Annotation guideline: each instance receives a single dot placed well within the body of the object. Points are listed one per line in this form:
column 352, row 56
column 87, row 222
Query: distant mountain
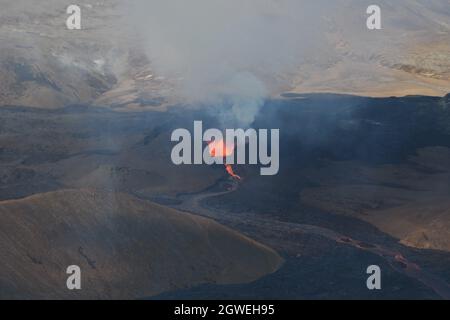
column 410, row 55
column 43, row 64
column 125, row 247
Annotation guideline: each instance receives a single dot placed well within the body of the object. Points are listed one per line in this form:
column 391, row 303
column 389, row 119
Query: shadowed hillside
column 126, row 248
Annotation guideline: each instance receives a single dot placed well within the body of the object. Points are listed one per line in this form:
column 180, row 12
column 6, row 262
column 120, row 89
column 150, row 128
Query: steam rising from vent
column 226, row 53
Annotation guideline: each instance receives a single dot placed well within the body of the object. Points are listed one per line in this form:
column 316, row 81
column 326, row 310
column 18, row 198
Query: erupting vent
column 219, row 148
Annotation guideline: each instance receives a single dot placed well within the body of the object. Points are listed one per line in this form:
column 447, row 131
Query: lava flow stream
column 220, row 149
column 268, row 230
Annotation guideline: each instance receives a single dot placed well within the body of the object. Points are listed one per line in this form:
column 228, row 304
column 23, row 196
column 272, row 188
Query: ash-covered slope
column 409, row 56
column 126, row 247
column 42, row 64
column 408, row 201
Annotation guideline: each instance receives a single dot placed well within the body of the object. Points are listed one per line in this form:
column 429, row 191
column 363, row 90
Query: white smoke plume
column 226, row 52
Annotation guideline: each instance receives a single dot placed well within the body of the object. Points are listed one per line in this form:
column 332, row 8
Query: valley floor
column 362, row 181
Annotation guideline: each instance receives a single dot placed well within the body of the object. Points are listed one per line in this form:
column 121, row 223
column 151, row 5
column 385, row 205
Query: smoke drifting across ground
column 226, row 53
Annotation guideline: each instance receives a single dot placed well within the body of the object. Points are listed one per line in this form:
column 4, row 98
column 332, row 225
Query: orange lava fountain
column 218, row 148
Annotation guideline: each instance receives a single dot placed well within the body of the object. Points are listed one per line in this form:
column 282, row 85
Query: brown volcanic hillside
column 409, row 201
column 126, row 247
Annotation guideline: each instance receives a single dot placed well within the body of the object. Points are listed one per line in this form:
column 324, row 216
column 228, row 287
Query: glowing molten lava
column 230, row 171
column 218, row 148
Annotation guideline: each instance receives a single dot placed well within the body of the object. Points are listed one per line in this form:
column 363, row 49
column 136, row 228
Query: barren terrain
column 126, row 248
column 105, row 64
column 86, row 176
